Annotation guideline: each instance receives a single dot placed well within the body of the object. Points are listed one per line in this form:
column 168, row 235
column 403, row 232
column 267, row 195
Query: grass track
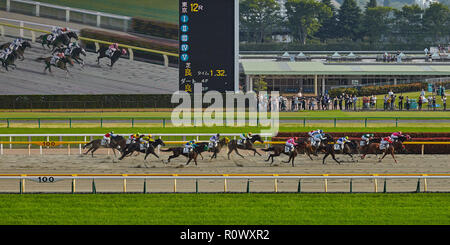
column 225, row 209
column 156, row 130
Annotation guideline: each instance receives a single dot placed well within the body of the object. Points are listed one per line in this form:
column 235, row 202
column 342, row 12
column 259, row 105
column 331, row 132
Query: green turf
column 330, row 114
column 211, row 130
column 225, row 209
column 163, row 10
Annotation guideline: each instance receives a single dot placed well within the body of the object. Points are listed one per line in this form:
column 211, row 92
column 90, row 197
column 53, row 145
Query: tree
column 258, row 17
column 304, row 17
column 329, row 28
column 371, row 4
column 436, row 21
column 408, row 24
column 349, row 18
column 377, row 22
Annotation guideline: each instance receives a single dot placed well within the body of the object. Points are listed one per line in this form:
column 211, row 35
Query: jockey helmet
column 249, row 133
column 64, row 29
column 149, row 135
column 320, row 131
column 399, row 132
column 346, row 137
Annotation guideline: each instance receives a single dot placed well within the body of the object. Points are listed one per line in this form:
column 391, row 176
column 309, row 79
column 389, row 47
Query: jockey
column 312, row 134
column 341, row 141
column 16, row 44
column 107, row 137
column 245, row 137
column 57, row 56
column 290, row 143
column 385, row 142
column 317, row 138
column 112, row 48
column 72, row 46
column 4, row 53
column 190, row 145
column 56, row 31
column 395, row 135
column 147, row 138
column 213, row 140
column 365, row 139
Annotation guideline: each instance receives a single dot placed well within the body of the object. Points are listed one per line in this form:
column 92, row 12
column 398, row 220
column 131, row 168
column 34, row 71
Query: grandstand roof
column 252, row 67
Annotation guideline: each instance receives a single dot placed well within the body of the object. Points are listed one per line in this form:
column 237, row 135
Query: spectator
column 444, row 102
column 355, row 99
column 385, row 102
column 434, row 103
column 400, row 102
column 335, row 102
column 429, row 100
column 407, row 103
column 419, row 102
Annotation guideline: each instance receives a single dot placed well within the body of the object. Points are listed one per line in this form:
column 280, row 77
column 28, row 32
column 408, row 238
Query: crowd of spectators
column 350, row 102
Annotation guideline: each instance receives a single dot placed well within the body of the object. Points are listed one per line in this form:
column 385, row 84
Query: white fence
column 422, row 181
column 41, row 141
column 99, row 19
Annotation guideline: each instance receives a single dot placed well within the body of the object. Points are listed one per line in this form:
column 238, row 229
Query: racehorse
column 63, row 39
column 74, row 55
column 191, row 155
column 114, row 57
column 216, row 149
column 305, row 146
column 20, row 50
column 374, row 148
column 117, row 143
column 233, row 145
column 61, row 64
column 281, row 149
column 148, row 149
column 9, row 61
column 348, row 149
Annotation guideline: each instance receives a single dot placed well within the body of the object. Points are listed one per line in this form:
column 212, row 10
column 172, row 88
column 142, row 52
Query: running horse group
column 327, row 147
column 303, row 146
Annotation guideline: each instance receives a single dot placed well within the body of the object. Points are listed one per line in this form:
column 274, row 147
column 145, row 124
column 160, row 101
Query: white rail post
column 131, row 55
column 8, row 5
column 124, row 182
column 2, row 31
column 38, row 8
column 33, row 37
column 1, row 149
column 67, row 14
column 99, row 18
column 166, row 60
column 21, row 29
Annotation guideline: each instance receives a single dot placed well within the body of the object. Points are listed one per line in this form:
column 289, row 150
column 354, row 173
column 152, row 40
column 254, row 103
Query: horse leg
column 392, row 154
column 238, row 153
column 92, row 152
column 334, row 158
column 324, row 157
column 380, row 159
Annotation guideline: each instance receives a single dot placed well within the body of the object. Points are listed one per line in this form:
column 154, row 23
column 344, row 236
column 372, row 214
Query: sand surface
column 57, row 161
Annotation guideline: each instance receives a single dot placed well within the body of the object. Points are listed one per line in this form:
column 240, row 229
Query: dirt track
column 56, row 161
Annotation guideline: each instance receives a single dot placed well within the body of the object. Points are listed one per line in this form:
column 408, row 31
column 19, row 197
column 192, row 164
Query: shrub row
column 415, row 149
column 86, row 101
column 374, row 90
column 155, row 28
column 132, row 41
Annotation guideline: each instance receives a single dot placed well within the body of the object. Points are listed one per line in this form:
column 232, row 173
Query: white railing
column 53, row 178
column 99, row 19
column 88, row 137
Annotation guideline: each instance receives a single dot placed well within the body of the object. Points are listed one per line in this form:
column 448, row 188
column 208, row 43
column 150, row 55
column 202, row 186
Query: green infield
column 212, row 130
column 226, row 209
column 163, row 10
column 167, row 114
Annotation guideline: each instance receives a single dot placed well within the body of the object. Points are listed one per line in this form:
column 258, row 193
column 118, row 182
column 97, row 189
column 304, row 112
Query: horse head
column 124, row 51
column 26, row 44
column 72, row 34
column 159, row 142
column 258, row 138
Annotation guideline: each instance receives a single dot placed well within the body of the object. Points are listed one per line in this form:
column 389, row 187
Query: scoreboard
column 208, row 45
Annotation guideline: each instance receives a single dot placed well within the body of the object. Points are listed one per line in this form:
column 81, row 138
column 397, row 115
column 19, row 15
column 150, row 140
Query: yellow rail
column 129, row 47
column 57, row 143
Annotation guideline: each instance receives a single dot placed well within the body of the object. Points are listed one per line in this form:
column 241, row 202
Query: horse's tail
column 268, row 149
column 167, row 150
column 86, row 145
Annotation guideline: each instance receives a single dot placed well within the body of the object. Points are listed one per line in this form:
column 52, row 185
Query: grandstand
column 314, row 73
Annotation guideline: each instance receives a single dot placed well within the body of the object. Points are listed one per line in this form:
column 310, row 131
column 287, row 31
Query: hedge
column 155, row 28
column 375, row 90
column 132, row 41
column 412, row 149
